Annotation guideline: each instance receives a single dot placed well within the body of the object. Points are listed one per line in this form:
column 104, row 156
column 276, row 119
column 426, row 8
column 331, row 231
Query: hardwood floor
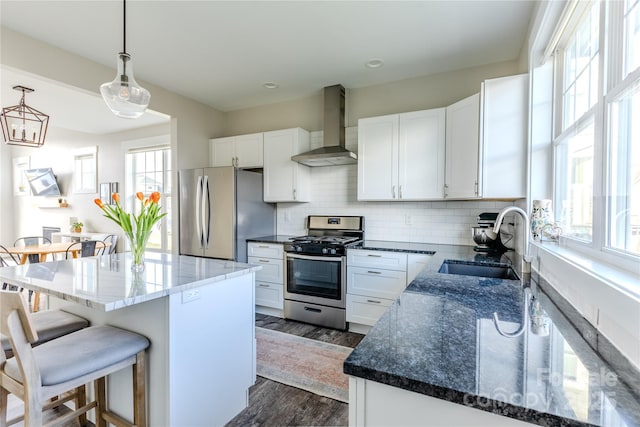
column 275, row 404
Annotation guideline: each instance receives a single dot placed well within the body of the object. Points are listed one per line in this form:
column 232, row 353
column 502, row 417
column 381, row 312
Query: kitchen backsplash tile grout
column 334, row 192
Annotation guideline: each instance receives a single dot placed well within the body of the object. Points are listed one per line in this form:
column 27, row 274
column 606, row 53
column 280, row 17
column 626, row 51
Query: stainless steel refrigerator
column 219, row 209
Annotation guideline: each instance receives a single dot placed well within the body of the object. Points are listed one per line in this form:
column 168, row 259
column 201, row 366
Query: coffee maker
column 483, row 235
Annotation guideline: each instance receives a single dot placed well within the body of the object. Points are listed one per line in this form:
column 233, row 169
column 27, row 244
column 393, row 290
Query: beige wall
column 192, row 123
column 420, row 93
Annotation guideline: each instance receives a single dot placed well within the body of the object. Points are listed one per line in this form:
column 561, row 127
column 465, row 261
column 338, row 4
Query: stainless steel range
column 316, row 270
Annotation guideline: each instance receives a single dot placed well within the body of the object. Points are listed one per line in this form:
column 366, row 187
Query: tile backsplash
column 334, row 191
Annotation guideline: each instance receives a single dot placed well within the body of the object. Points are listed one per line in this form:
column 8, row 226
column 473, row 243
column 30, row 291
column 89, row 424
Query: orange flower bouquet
column 137, row 228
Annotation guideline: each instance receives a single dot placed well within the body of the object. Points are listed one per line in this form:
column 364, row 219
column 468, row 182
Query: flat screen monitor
column 42, row 182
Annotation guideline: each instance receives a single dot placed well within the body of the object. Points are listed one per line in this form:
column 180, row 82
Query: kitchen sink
column 479, row 270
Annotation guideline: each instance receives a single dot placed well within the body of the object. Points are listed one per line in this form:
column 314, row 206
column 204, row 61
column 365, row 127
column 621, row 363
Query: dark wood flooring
column 275, row 404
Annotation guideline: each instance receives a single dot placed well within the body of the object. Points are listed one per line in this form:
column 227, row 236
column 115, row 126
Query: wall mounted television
column 42, row 182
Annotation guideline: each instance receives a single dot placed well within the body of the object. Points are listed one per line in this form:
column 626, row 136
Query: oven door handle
column 315, row 258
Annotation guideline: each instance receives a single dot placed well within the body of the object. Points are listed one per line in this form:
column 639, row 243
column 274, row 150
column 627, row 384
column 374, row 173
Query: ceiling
column 222, row 52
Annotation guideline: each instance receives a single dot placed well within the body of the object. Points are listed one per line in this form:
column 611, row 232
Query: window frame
column 611, row 84
column 166, row 242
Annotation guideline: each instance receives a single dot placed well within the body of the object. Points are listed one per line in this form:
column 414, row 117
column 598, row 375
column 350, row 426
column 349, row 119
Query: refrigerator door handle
column 197, row 207
column 206, row 214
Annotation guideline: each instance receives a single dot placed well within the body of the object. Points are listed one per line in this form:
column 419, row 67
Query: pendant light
column 124, row 96
column 23, row 125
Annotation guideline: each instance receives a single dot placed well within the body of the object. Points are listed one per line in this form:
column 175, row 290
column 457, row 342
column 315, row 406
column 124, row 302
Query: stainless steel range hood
column 333, row 151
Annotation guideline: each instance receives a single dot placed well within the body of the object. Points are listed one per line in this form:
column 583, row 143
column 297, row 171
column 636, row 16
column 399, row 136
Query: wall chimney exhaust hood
column 333, row 151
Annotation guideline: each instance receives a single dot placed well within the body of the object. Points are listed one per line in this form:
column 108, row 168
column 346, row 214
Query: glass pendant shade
column 124, row 96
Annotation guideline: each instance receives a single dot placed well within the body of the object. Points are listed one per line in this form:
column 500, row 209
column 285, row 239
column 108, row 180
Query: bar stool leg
column 101, row 399
column 81, row 400
column 4, row 396
column 139, row 391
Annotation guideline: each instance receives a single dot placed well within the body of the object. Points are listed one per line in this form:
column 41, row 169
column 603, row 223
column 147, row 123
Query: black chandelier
column 23, row 125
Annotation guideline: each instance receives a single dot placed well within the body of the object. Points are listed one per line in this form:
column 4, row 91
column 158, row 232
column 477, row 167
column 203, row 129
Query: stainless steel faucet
column 526, row 258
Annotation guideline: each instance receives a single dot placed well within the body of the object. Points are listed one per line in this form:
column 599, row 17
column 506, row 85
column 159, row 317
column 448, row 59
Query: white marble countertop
column 106, row 283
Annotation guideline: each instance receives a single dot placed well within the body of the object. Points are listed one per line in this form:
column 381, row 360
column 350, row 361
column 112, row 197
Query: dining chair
column 85, row 248
column 30, row 241
column 58, row 371
column 6, row 258
column 113, row 240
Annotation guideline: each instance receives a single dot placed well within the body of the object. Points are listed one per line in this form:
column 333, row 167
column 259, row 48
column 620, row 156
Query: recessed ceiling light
column 374, row 63
column 270, row 85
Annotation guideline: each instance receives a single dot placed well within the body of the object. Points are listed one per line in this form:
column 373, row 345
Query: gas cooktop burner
column 319, row 240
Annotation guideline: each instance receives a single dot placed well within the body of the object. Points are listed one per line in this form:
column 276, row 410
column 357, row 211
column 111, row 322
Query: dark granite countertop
column 439, row 339
column 278, row 238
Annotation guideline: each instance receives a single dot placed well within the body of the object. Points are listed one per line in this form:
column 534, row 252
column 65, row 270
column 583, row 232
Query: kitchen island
column 436, row 357
column 198, row 314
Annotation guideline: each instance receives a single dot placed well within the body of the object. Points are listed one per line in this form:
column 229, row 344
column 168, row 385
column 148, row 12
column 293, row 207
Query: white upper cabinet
column 487, row 142
column 504, row 137
column 462, row 154
column 243, row 151
column 284, row 179
column 401, row 156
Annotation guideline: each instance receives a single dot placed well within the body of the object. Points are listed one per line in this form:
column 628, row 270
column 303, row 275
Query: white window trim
column 91, row 152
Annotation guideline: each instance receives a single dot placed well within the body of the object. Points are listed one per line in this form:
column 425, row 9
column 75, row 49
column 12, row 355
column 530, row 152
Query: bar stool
column 49, row 324
column 62, row 367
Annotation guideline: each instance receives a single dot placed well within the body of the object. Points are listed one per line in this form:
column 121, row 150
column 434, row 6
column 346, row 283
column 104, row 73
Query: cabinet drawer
column 269, row 295
column 265, row 250
column 271, row 269
column 377, row 259
column 366, row 310
column 375, row 282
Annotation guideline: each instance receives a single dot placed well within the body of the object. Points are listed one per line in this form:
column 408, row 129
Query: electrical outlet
column 408, row 220
column 190, row 295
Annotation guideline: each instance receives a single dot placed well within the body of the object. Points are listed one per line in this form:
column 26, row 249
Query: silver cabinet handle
column 375, row 256
column 263, row 286
column 446, row 190
column 400, row 192
column 374, row 301
column 263, row 246
column 263, row 260
column 294, row 194
column 393, row 191
column 477, row 189
column 374, row 272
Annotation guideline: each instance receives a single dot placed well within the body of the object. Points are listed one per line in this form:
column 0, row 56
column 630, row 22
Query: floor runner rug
column 304, row 363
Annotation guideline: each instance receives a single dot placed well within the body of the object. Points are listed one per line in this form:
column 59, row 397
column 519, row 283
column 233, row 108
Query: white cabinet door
column 265, row 250
column 462, row 149
column 504, row 137
column 284, row 179
column 375, row 282
column 243, row 151
column 366, row 310
column 421, row 155
column 269, row 295
column 222, row 151
column 377, row 259
column 378, row 158
column 272, row 269
column 249, row 151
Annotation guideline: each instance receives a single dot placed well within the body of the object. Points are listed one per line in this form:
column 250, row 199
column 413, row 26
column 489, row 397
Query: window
column 149, row 170
column 597, row 132
column 85, row 174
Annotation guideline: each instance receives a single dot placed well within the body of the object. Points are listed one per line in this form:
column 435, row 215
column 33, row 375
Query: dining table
column 45, row 249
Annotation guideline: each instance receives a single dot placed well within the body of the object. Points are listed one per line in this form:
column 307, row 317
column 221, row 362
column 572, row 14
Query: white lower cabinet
column 415, row 264
column 270, row 279
column 376, row 404
column 374, row 281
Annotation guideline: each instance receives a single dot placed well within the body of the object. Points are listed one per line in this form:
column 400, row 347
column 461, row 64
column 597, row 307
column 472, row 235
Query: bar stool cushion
column 81, row 353
column 50, row 324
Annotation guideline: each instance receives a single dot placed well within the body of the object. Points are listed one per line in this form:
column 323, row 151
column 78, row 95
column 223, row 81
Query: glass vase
column 137, row 253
